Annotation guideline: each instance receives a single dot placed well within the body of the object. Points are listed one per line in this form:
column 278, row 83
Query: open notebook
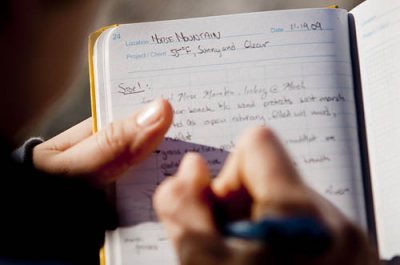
column 296, row 71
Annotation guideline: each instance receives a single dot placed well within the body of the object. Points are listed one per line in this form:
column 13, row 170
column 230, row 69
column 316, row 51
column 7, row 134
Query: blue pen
column 300, row 235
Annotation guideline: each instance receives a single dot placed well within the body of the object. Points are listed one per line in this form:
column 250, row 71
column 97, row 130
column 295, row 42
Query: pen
column 293, row 235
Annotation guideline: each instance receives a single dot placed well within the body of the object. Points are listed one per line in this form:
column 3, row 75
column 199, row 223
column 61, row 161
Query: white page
column 378, row 36
column 99, row 67
column 297, row 79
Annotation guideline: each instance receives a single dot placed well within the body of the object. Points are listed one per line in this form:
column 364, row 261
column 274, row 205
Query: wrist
column 24, row 154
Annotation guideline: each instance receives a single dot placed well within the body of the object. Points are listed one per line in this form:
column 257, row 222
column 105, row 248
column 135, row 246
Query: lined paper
column 288, row 70
column 378, row 38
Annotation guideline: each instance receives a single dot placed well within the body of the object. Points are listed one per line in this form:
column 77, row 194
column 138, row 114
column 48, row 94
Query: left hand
column 107, row 154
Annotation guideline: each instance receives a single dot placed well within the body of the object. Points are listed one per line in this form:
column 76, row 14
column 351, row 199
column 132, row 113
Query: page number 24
column 116, row 36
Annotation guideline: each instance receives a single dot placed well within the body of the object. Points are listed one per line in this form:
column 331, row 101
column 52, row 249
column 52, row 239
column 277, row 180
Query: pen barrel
column 303, row 236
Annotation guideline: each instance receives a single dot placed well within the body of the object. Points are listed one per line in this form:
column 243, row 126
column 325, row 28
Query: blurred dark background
column 75, row 107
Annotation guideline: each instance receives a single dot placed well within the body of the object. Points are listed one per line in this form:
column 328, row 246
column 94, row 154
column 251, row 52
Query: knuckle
column 258, row 134
column 294, row 202
column 350, row 236
column 207, row 249
column 112, row 138
column 64, row 165
column 349, row 231
column 250, row 253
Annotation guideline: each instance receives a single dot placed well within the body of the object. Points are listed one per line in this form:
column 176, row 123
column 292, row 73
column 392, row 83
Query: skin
column 112, row 150
column 41, row 43
column 260, row 173
column 44, row 41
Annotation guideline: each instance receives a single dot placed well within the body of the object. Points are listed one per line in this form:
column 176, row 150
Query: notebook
column 326, row 80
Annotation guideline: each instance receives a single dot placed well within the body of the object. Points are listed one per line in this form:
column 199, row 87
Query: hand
column 258, row 180
column 105, row 155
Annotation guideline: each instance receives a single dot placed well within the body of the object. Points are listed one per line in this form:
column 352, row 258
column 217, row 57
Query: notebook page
column 378, row 36
column 99, row 79
column 289, row 70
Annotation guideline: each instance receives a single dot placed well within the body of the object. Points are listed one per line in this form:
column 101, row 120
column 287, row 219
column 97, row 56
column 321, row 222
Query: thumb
column 108, row 153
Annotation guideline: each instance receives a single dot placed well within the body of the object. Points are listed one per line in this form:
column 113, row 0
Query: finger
column 182, row 202
column 261, row 165
column 265, row 165
column 257, row 160
column 121, row 144
column 54, row 146
column 200, row 249
column 69, row 138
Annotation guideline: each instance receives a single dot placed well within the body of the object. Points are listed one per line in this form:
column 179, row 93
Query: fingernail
column 150, row 114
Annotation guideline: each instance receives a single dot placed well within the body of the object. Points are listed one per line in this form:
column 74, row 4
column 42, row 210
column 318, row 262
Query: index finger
column 70, row 137
column 261, row 165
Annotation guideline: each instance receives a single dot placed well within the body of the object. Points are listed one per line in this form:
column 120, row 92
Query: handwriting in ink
column 317, row 160
column 177, row 124
column 146, row 247
column 300, row 114
column 246, row 105
column 200, row 109
column 182, row 37
column 190, row 122
column 311, row 98
column 317, row 25
column 136, row 88
column 185, row 37
column 210, row 93
column 182, row 124
column 277, row 102
column 223, row 105
column 203, row 149
column 304, row 138
column 184, row 50
column 133, row 240
column 227, row 147
column 249, row 118
column 307, row 99
column 165, row 154
column 184, row 96
column 216, row 50
column 291, row 85
column 183, row 136
column 323, row 112
column 331, row 190
column 162, row 39
column 248, row 44
column 256, row 90
column 216, row 121
column 338, row 98
column 330, row 138
column 281, row 114
column 170, row 166
column 179, row 111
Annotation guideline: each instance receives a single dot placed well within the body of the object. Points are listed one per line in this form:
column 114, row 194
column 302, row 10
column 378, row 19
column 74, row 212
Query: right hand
column 258, row 180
